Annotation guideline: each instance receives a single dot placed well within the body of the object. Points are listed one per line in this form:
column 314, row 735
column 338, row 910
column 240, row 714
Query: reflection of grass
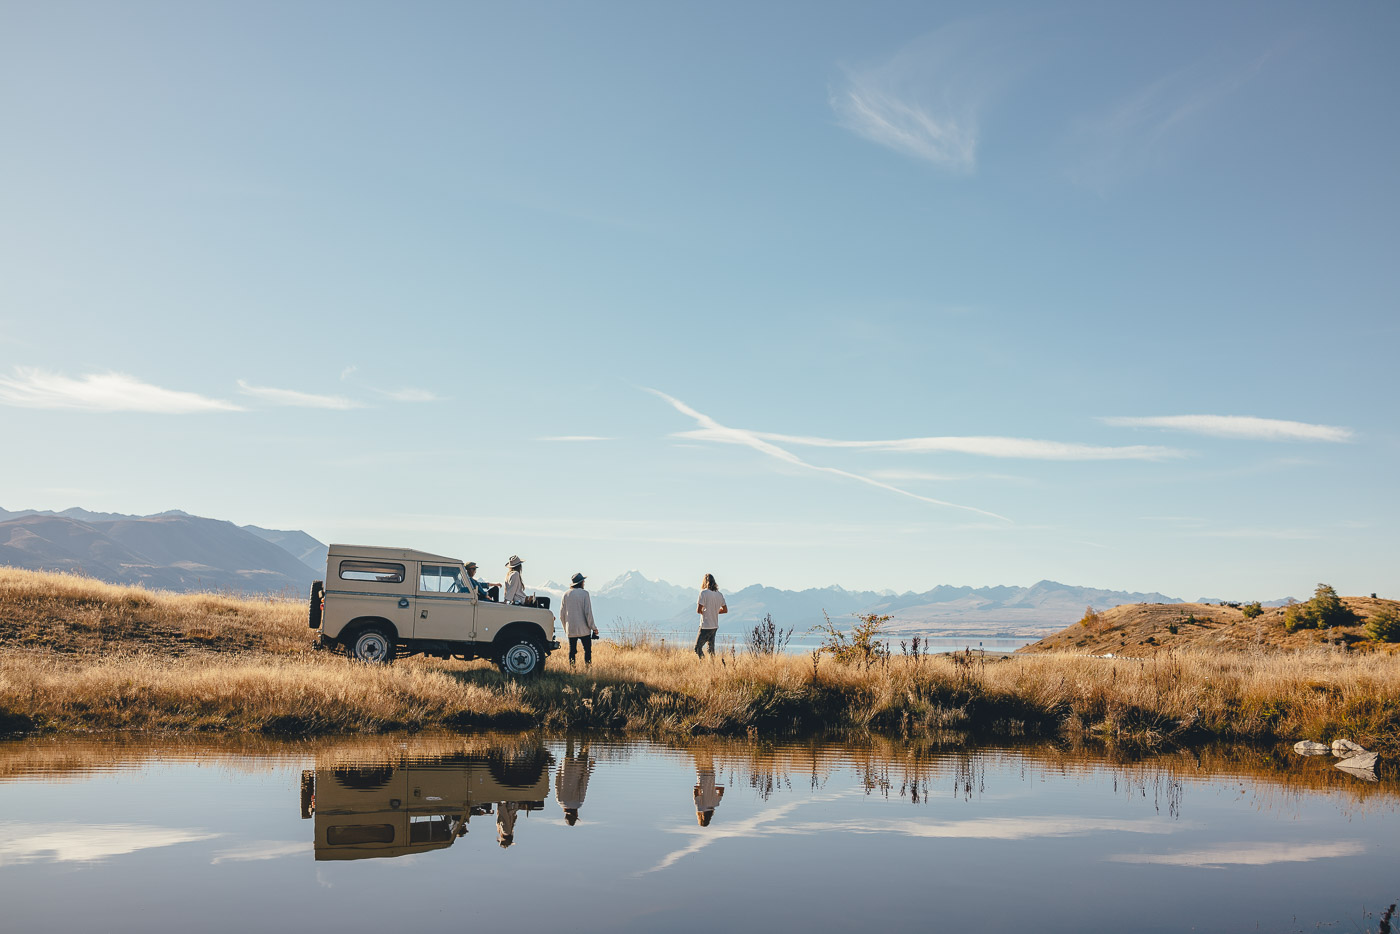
column 78, row 655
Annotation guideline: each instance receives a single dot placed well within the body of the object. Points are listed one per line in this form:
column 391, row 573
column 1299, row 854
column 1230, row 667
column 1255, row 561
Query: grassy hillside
column 1144, row 629
column 77, row 655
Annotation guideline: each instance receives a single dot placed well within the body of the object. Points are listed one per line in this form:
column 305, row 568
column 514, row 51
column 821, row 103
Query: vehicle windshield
column 434, row 578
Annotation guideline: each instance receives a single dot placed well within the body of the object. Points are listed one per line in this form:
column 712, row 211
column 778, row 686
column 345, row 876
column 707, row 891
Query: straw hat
column 471, row 565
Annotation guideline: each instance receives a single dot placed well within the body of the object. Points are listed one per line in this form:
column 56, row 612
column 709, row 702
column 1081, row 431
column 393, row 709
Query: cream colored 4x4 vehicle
column 382, row 603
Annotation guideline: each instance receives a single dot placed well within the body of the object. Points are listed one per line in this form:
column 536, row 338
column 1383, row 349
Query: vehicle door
column 446, row 606
column 375, row 587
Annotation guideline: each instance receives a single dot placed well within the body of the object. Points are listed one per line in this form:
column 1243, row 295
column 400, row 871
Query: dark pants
column 706, row 637
column 587, row 648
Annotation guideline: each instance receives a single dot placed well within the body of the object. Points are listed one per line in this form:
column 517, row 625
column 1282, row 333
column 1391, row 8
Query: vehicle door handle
column 423, row 615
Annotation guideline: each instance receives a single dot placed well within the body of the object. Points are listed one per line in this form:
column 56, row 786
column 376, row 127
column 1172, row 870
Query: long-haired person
column 710, row 606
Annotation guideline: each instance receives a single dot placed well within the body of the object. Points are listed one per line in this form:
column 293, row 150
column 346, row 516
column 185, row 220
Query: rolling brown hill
column 1140, row 629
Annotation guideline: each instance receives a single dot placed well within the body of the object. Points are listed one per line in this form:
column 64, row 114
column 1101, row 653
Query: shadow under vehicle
column 378, row 810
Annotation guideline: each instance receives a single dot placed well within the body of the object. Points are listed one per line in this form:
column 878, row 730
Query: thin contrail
column 714, row 431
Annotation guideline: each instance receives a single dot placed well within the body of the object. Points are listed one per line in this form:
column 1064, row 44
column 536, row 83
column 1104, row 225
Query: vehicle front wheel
column 373, row 645
column 522, row 657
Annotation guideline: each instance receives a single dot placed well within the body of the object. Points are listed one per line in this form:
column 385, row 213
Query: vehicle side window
column 371, row 571
column 437, row 579
column 359, row 834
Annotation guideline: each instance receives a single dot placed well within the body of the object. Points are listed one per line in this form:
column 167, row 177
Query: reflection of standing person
column 515, row 587
column 710, row 605
column 571, row 784
column 505, row 822
column 707, row 793
column 576, row 616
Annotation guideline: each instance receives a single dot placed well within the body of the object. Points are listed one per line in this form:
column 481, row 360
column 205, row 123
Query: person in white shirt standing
column 710, row 605
column 576, row 616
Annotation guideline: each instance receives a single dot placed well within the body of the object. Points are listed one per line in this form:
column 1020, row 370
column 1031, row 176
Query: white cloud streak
column 1246, row 854
column 1245, row 427
column 259, row 850
column 292, row 397
column 34, row 388
column 711, row 430
column 985, row 446
column 84, row 843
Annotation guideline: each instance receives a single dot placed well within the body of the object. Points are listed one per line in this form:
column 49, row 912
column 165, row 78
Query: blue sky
column 1107, row 291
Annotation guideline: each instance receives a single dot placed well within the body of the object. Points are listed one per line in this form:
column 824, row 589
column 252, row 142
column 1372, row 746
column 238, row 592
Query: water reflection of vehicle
column 414, row 805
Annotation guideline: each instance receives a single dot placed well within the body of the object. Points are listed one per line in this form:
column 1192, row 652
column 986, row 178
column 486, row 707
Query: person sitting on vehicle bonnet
column 515, row 587
column 485, row 590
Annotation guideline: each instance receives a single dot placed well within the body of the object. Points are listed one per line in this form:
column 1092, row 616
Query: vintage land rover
column 381, row 603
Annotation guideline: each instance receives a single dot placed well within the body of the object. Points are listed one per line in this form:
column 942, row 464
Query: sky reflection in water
column 536, row 834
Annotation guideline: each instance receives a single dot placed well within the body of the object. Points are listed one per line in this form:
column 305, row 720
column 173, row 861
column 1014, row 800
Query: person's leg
column 699, row 641
column 587, row 650
column 573, row 649
column 710, row 638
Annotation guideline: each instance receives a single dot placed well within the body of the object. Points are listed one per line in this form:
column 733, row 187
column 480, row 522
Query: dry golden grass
column 1145, row 629
column 78, row 655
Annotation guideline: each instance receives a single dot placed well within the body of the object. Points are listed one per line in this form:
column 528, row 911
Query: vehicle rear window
column 371, row 571
column 353, row 834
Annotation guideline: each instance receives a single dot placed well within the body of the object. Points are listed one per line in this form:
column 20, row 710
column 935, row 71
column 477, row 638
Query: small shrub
column 767, row 638
column 1172, row 627
column 1384, row 626
column 1252, row 610
column 1092, row 620
column 860, row 644
column 1328, row 609
column 1298, row 616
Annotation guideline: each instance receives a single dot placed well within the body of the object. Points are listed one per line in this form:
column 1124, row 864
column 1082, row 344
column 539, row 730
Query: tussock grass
column 77, row 655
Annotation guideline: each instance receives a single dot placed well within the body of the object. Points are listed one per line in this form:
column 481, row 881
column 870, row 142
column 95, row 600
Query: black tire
column 374, row 645
column 521, row 656
column 318, row 593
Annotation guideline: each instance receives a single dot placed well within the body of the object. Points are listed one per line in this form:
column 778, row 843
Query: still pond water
column 472, row 833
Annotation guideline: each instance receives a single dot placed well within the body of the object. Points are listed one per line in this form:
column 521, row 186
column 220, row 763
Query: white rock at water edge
column 1341, row 748
column 1367, row 761
column 1309, row 748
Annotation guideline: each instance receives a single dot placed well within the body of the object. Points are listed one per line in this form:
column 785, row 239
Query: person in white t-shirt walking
column 710, row 606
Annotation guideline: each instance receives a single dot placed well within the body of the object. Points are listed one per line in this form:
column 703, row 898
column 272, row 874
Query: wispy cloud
column 1235, row 426
column 1136, row 130
column 711, row 430
column 101, row 392
column 924, row 101
column 259, row 850
column 986, row 446
column 575, row 438
column 991, row 828
column 1246, row 854
column 22, row 842
column 292, row 397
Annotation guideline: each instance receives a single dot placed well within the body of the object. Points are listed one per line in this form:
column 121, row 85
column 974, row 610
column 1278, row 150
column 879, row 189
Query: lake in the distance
column 464, row 833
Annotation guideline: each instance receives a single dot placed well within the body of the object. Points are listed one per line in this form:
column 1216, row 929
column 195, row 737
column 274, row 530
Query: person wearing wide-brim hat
column 485, row 590
column 515, row 587
column 576, row 616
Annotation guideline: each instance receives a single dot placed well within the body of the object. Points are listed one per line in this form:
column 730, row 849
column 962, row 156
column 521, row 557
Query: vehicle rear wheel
column 522, row 656
column 373, row 644
column 318, row 595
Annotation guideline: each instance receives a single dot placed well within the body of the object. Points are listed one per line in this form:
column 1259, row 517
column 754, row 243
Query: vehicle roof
column 401, row 554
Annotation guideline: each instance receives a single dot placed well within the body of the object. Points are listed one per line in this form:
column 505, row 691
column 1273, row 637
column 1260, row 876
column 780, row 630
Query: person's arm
column 723, row 608
column 588, row 612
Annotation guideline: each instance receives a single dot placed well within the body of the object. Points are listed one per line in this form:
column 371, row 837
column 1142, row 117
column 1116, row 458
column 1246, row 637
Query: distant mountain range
column 177, row 551
column 1006, row 611
column 170, row 550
